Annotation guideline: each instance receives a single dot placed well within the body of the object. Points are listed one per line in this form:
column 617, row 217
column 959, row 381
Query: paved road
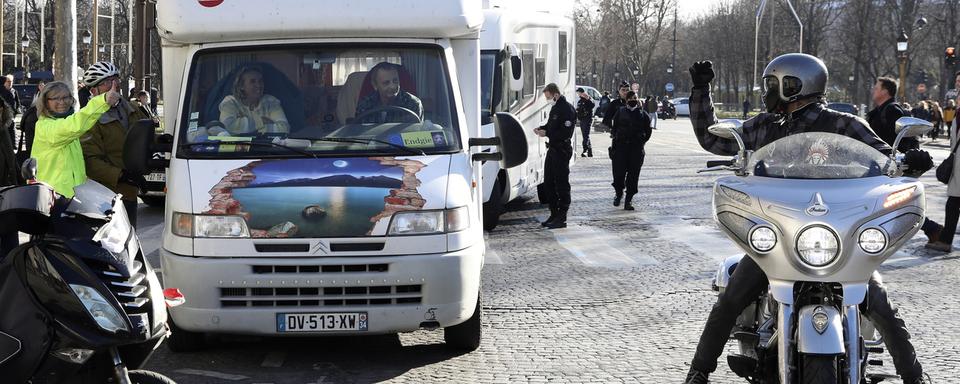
column 616, row 297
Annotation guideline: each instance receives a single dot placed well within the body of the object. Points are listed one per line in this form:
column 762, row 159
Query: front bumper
column 244, row 295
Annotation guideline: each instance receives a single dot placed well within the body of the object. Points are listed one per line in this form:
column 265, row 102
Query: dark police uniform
column 556, row 168
column 585, row 116
column 631, row 131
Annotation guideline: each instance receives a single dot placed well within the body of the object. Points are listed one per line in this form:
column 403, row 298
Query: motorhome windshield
column 318, row 100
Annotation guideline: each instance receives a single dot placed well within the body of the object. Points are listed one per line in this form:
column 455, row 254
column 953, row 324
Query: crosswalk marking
column 598, row 248
column 706, row 240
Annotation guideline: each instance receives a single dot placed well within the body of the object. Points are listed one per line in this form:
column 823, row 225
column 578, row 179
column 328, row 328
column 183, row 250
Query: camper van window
column 318, row 100
column 541, row 74
column 529, row 81
column 488, row 67
column 563, row 51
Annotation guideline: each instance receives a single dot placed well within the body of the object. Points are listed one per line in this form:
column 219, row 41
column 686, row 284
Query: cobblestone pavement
column 616, row 297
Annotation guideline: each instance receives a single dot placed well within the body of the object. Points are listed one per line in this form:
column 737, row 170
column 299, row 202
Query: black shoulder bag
column 945, row 169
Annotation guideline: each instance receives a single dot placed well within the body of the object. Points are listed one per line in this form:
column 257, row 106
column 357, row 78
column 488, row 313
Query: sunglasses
column 61, row 99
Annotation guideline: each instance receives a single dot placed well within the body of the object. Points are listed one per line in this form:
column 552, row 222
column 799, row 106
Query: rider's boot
column 697, row 377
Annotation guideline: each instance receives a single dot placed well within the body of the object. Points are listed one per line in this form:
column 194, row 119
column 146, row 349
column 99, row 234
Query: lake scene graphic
column 317, row 197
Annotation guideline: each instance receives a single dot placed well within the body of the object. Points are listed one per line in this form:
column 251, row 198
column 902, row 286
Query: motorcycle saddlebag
column 22, row 319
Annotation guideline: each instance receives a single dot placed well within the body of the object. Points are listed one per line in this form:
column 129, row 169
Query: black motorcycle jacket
column 766, row 128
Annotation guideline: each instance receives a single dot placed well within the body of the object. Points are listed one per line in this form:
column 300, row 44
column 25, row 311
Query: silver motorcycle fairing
column 725, row 270
column 741, row 204
column 812, row 341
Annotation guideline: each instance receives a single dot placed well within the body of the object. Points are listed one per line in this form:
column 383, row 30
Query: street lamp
column 670, row 69
column 902, row 50
column 25, row 43
column 86, row 36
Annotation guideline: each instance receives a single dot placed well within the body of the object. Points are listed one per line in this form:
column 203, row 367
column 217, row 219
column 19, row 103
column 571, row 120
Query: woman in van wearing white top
column 248, row 110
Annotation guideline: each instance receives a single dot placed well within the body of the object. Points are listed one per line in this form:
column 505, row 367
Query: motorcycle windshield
column 819, row 155
column 91, row 199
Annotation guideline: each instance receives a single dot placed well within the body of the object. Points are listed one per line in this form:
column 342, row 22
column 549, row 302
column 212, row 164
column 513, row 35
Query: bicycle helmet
column 99, row 71
column 793, row 77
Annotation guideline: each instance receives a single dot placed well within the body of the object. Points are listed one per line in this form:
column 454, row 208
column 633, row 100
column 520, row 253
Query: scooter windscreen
column 94, row 201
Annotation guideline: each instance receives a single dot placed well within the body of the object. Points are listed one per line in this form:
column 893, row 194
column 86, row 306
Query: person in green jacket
column 103, row 144
column 56, row 144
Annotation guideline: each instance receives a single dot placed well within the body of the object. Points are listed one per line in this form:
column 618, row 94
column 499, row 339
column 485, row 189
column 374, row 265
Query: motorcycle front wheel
column 819, row 369
column 147, row 377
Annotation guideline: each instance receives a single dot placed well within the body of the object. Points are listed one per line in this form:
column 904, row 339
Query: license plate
column 321, row 322
column 157, row 177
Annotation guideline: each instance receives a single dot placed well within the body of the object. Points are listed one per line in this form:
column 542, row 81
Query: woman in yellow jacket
column 56, row 144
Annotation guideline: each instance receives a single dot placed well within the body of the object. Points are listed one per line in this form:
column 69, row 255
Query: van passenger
column 249, row 110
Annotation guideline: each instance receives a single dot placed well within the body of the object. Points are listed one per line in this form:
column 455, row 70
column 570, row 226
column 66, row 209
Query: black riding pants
column 749, row 281
column 585, row 132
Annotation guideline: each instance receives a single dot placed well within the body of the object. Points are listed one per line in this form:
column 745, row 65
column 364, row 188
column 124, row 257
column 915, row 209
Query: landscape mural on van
column 329, row 197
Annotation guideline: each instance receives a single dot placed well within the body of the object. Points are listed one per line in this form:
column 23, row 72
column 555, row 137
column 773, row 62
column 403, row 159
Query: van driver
column 385, row 78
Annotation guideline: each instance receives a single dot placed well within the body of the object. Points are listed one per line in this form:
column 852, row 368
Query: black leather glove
column 701, row 73
column 917, row 161
column 133, row 179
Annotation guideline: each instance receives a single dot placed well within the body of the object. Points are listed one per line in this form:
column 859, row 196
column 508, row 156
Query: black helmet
column 793, row 77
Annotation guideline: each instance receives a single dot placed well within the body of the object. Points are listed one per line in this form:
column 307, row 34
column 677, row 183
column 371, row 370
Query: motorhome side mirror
column 727, row 129
column 516, row 73
column 137, row 149
column 29, row 169
column 912, row 126
column 513, row 140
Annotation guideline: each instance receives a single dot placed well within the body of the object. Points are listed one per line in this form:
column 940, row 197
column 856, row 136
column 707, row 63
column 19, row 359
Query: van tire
column 154, row 201
column 148, row 377
column 182, row 340
column 465, row 336
column 493, row 208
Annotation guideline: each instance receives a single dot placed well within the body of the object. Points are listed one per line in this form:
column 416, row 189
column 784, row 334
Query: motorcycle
column 818, row 212
column 81, row 303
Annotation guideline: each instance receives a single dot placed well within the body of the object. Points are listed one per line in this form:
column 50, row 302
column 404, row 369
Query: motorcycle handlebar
column 719, row 163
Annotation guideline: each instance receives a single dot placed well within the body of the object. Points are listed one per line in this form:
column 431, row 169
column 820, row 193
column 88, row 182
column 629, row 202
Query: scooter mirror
column 29, row 169
column 912, row 126
column 727, row 129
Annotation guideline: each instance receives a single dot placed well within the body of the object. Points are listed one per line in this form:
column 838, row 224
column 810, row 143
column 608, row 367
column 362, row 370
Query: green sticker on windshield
column 424, row 139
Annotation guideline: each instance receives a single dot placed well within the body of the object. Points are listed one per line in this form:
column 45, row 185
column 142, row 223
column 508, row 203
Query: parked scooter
column 818, row 212
column 81, row 303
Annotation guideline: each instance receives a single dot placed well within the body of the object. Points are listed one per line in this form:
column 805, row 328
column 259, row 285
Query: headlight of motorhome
column 818, row 246
column 200, row 226
column 872, row 241
column 763, row 239
column 429, row 222
column 100, row 309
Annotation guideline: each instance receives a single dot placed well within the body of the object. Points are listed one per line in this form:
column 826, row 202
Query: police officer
column 615, row 105
column 585, row 116
column 556, row 168
column 794, row 88
column 631, row 130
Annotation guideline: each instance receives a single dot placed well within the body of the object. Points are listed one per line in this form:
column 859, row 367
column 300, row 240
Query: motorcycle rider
column 794, row 88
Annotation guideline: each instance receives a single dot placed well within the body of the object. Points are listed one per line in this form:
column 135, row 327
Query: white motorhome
column 521, row 52
column 325, row 176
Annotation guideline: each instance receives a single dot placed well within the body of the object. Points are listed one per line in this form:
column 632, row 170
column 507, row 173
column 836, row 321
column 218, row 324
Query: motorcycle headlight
column 818, row 246
column 872, row 241
column 763, row 239
column 100, row 309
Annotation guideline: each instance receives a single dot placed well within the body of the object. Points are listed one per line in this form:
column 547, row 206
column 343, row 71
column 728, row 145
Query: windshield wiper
column 359, row 140
column 253, row 143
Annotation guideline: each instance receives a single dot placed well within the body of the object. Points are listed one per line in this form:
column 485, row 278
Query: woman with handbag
column 949, row 173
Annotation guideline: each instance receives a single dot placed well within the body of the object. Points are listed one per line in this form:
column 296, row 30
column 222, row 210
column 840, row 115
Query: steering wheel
column 406, row 114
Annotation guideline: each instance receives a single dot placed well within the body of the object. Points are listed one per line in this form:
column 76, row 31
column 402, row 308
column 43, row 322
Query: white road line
column 213, row 374
column 598, row 248
column 490, row 256
column 706, row 240
column 274, row 359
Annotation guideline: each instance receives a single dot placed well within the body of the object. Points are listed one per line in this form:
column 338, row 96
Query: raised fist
column 701, row 73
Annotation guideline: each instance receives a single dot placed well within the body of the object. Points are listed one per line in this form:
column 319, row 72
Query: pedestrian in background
column 949, row 113
column 585, row 116
column 944, row 242
column 631, row 131
column 604, row 102
column 746, row 108
column 651, row 107
column 936, row 117
column 883, row 120
column 556, row 168
column 9, row 95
